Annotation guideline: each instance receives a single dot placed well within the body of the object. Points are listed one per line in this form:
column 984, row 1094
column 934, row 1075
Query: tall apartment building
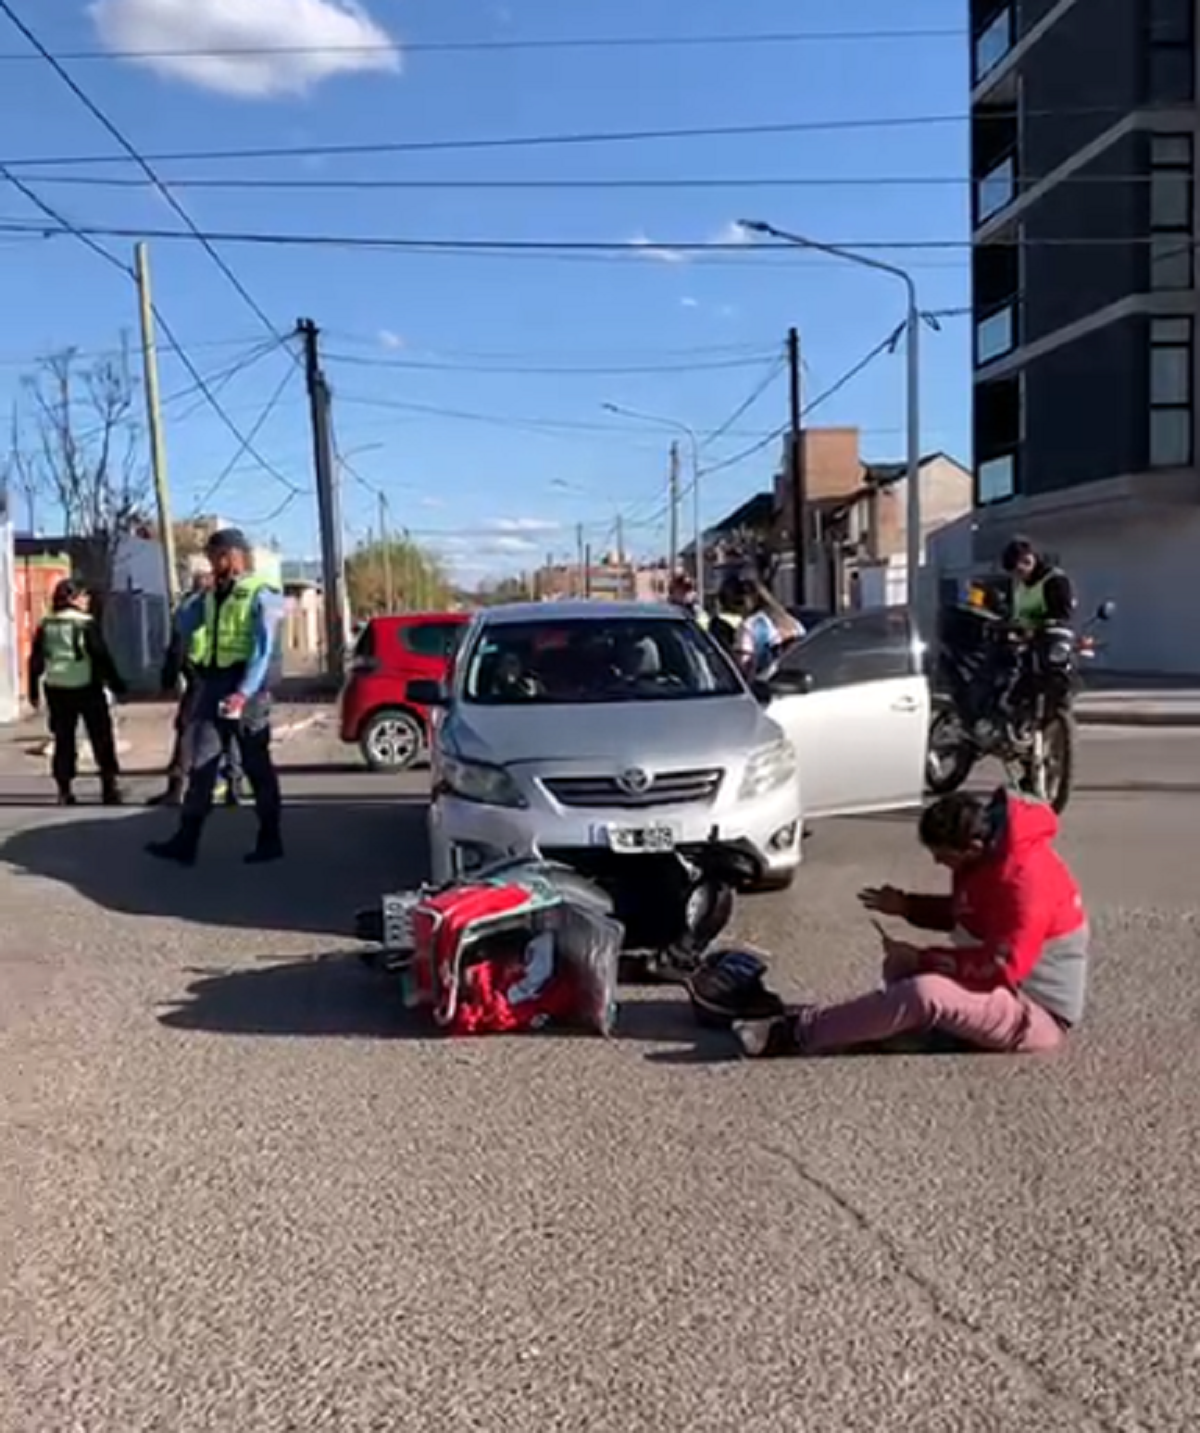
column 1083, row 155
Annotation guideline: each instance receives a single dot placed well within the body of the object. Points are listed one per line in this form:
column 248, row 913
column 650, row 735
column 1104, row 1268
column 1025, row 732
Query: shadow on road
column 342, row 854
column 330, row 996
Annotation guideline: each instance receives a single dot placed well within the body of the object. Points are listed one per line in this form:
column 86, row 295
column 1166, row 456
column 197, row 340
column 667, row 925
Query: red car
column 390, row 652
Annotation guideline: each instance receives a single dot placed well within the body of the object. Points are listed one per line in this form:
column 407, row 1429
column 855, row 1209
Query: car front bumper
column 465, row 835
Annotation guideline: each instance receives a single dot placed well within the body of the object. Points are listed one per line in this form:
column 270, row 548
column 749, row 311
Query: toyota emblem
column 635, row 781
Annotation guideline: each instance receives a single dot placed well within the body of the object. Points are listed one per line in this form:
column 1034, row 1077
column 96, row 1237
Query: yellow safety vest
column 1029, row 602
column 68, row 664
column 198, row 647
column 229, row 625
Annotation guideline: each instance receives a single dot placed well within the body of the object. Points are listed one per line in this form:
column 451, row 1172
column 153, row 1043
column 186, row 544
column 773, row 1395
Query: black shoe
column 172, row 796
column 66, row 797
column 112, row 796
column 769, row 1039
column 268, row 848
column 181, row 849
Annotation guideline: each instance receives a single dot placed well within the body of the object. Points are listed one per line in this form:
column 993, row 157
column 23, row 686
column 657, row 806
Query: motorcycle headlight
column 769, row 768
column 473, row 781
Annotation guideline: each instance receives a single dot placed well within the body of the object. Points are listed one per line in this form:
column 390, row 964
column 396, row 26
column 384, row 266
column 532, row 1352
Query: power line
column 546, row 141
column 223, row 376
column 706, row 182
column 558, row 371
column 506, row 46
column 117, row 134
column 777, row 366
column 181, row 353
column 269, row 407
column 383, row 243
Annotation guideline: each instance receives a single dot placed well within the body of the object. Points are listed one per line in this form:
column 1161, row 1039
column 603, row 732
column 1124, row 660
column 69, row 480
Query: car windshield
column 622, row 659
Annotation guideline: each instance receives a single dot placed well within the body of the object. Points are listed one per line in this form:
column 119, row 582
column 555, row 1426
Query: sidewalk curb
column 1118, row 716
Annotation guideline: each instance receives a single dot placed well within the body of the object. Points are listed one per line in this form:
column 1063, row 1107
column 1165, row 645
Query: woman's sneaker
column 769, row 1039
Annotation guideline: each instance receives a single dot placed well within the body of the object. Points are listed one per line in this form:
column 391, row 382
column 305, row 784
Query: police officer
column 72, row 665
column 1042, row 593
column 239, row 616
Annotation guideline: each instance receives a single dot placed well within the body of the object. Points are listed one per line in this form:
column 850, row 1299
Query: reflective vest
column 725, row 627
column 1029, row 601
column 198, row 646
column 64, row 650
column 229, row 625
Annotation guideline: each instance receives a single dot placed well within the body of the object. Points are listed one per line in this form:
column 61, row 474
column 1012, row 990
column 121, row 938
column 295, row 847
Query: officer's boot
column 268, row 847
column 182, row 848
column 66, row 797
column 110, row 792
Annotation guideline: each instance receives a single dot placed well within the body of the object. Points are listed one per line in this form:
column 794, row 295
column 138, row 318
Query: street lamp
column 694, row 445
column 913, row 423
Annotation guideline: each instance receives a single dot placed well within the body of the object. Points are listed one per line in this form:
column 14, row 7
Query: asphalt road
column 239, row 1194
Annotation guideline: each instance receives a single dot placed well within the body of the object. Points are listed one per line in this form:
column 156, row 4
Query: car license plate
column 397, row 920
column 640, row 840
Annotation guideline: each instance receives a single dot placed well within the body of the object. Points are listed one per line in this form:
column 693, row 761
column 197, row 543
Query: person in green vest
column 1042, row 595
column 71, row 667
column 240, row 617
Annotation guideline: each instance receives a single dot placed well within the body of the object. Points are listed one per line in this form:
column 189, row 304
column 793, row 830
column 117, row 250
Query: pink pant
column 999, row 1020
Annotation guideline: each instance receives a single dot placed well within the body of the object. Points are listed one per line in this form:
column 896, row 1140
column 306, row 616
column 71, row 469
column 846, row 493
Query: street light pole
column 913, row 383
column 694, row 453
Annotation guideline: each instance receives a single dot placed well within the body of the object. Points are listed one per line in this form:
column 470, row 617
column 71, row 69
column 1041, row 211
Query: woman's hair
column 1018, row 549
column 956, row 822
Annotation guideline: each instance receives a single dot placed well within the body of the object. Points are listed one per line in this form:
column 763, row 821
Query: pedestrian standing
column 239, row 616
column 70, row 665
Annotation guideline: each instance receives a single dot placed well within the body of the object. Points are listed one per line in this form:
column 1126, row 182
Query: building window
column 996, row 189
column 1171, row 202
column 994, row 42
column 1171, row 62
column 995, row 335
column 996, row 479
column 1170, row 392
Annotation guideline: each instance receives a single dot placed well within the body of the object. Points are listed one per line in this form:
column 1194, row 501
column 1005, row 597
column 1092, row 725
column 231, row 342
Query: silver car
column 624, row 728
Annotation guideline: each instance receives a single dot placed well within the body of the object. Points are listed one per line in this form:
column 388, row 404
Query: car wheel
column 776, row 881
column 391, row 740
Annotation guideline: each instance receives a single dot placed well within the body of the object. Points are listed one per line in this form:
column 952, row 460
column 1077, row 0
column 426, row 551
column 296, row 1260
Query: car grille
column 669, row 788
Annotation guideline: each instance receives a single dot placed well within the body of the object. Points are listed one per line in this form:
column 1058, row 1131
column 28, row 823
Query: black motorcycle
column 1005, row 693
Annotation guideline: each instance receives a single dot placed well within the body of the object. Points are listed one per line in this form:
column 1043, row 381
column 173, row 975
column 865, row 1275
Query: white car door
column 861, row 732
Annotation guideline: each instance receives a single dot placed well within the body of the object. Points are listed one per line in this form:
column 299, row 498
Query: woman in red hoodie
column 1012, row 978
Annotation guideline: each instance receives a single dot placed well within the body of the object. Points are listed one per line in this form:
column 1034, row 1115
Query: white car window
column 874, row 646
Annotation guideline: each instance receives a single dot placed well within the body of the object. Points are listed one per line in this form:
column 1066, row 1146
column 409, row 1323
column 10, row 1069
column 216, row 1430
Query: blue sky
column 446, row 331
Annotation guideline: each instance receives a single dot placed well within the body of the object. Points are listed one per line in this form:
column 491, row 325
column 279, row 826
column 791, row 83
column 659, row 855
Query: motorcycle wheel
column 1054, row 782
column 949, row 759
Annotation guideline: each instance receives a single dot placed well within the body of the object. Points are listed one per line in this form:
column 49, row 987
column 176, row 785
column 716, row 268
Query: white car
column 621, row 728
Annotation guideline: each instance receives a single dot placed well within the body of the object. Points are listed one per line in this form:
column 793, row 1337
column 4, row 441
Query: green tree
column 399, row 575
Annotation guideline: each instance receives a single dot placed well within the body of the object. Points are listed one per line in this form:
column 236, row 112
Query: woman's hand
column 884, row 900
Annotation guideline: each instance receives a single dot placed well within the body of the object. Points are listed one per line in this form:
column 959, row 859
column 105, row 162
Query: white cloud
column 663, row 254
column 432, row 503
column 388, row 338
column 508, row 545
column 523, row 524
column 732, row 233
column 688, row 302
column 327, row 38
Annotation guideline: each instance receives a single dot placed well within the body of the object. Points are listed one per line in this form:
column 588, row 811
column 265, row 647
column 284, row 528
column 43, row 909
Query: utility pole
column 673, row 501
column 580, row 558
column 796, row 476
column 385, row 548
column 587, row 570
column 328, row 502
column 158, row 449
column 622, row 575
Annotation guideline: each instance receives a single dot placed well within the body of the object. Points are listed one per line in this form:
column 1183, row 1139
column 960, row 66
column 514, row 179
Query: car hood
column 676, row 733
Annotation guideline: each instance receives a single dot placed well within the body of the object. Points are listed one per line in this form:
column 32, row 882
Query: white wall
column 1151, row 570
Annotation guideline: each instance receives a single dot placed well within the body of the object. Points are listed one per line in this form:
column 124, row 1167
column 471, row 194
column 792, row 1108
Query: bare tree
column 76, row 446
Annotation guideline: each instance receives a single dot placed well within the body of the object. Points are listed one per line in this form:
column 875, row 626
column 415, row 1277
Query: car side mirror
column 1106, row 611
column 795, row 683
column 424, row 693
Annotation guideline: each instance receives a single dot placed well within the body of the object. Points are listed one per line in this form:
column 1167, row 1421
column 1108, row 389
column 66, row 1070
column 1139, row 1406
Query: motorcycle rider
column 1042, row 592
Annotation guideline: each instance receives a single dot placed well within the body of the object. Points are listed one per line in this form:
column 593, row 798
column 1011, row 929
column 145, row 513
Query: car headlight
column 473, row 781
column 769, row 768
